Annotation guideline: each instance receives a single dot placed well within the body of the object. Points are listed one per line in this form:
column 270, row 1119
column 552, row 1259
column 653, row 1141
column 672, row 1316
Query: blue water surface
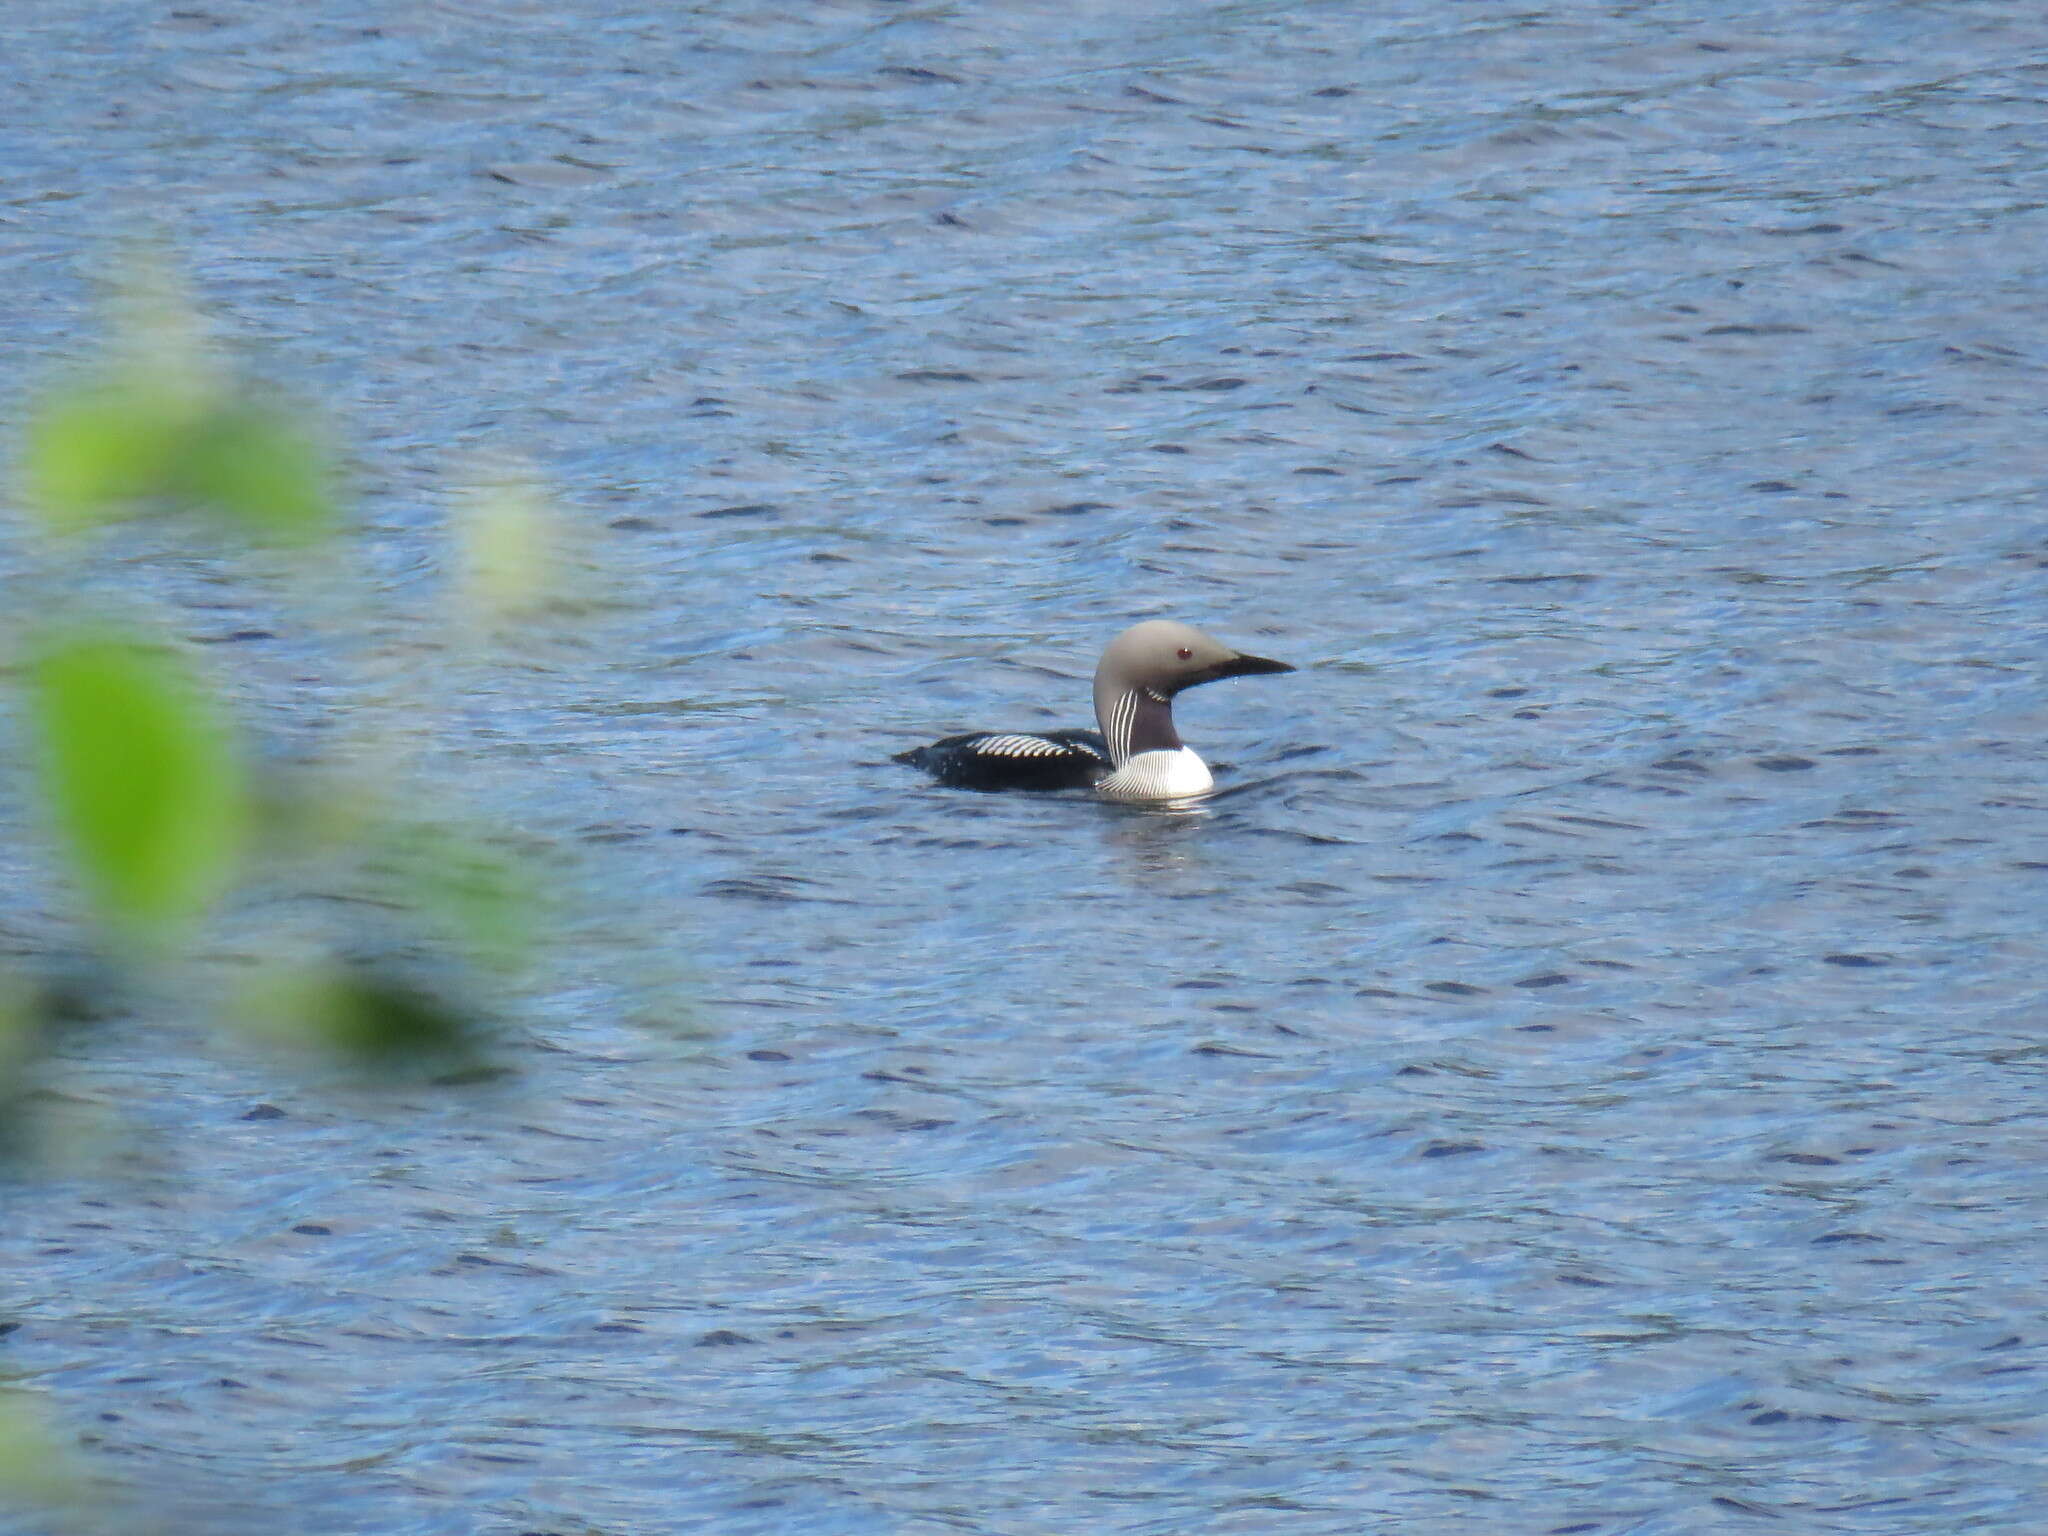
column 1582, row 1075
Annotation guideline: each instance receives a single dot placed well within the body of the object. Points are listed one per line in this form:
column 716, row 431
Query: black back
column 1001, row 760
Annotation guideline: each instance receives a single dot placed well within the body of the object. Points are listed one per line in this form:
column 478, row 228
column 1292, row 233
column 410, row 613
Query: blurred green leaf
column 35, row 1466
column 260, row 470
column 20, row 1042
column 507, row 555
column 159, row 419
column 478, row 896
column 20, row 1026
column 95, row 454
column 144, row 782
column 366, row 1011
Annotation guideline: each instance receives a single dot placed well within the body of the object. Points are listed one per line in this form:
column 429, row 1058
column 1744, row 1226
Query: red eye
column 1183, row 653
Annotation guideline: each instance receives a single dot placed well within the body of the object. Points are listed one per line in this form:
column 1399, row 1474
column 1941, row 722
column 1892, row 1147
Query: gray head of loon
column 1142, row 670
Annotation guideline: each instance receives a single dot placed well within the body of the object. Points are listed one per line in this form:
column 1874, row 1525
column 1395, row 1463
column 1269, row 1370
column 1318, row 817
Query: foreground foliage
column 370, row 919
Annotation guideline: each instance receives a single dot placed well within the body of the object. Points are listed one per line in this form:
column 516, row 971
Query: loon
column 1137, row 755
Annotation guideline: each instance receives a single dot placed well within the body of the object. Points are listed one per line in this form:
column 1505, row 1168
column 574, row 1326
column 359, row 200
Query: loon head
column 1145, row 667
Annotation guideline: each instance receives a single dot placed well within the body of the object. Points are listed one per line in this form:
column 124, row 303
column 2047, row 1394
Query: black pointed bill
column 1243, row 666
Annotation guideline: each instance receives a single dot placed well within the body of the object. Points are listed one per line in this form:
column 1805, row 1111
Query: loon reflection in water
column 1136, row 755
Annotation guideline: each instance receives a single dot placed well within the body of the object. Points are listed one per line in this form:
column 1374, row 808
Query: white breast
column 1159, row 776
